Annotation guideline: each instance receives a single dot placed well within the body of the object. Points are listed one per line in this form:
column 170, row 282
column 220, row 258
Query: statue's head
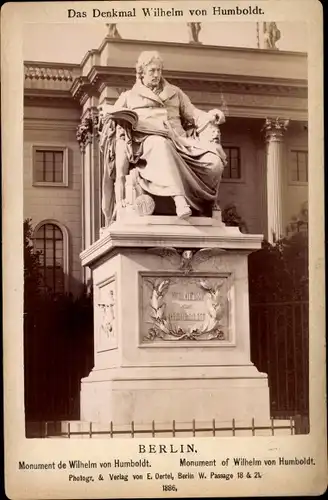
column 149, row 68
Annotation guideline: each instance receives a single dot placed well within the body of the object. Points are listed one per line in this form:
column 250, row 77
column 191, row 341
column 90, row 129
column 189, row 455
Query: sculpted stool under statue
column 170, row 282
column 174, row 147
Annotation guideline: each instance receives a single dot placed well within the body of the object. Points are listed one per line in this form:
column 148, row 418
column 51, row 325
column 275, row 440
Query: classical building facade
column 264, row 96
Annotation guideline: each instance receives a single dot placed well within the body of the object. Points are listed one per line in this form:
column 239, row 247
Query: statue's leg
column 122, row 169
column 166, row 173
column 216, row 209
column 216, row 166
column 107, row 198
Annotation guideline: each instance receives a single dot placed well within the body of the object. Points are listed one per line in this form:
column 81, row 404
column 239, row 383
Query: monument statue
column 173, row 148
column 271, row 35
column 112, row 31
column 171, row 312
column 194, row 30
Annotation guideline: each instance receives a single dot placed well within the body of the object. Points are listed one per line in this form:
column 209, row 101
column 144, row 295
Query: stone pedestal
column 172, row 325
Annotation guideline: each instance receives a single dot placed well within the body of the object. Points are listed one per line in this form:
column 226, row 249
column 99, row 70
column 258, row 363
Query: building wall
column 55, row 127
column 247, row 193
column 295, row 194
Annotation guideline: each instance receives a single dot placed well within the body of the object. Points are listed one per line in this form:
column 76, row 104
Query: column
column 261, row 177
column 274, row 134
column 90, row 196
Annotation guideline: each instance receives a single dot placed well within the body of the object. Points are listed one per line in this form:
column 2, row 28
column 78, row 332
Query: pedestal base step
column 176, row 393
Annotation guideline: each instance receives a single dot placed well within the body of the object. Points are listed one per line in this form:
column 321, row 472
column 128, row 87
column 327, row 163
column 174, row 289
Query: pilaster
column 87, row 137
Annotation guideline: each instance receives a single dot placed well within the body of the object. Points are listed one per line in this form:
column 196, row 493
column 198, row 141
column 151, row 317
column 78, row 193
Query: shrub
column 279, row 272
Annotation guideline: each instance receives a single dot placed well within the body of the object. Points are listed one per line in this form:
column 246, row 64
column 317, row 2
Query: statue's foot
column 183, row 210
column 184, row 214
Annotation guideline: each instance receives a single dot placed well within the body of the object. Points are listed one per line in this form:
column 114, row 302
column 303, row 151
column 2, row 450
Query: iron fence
column 279, row 347
column 69, row 430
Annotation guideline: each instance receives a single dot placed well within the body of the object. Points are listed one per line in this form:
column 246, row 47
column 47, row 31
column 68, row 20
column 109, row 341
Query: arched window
column 49, row 240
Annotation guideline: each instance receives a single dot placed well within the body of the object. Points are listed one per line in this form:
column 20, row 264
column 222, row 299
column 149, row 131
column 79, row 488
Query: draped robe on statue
column 168, row 161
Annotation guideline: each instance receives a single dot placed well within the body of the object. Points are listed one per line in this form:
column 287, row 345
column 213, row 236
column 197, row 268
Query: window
column 49, row 166
column 299, row 166
column 49, row 241
column 233, row 169
column 300, row 222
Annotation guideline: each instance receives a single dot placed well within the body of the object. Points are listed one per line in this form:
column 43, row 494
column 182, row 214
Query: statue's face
column 152, row 74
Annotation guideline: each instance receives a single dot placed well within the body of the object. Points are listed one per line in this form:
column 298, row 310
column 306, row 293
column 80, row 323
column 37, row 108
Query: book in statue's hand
column 123, row 115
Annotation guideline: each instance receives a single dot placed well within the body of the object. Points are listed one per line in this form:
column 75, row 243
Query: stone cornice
column 100, row 76
column 49, row 98
column 54, row 83
column 54, row 124
column 129, row 236
column 245, row 103
column 83, row 88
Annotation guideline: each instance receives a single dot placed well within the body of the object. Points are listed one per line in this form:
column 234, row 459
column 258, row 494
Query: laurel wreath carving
column 163, row 329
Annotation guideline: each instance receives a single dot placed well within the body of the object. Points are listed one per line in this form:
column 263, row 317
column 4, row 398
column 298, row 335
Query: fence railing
column 174, row 429
column 280, row 348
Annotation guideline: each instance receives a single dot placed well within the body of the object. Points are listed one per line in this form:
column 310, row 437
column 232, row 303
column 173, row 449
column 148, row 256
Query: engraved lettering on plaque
column 107, row 338
column 185, row 308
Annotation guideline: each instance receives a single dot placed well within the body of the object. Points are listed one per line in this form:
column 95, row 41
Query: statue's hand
column 216, row 116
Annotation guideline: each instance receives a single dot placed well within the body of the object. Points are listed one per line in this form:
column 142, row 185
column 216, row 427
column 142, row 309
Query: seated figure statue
column 174, row 148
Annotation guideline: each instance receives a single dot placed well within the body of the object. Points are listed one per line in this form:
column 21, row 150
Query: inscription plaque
column 185, row 308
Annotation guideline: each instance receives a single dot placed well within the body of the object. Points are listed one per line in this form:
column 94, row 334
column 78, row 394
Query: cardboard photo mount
column 177, row 457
